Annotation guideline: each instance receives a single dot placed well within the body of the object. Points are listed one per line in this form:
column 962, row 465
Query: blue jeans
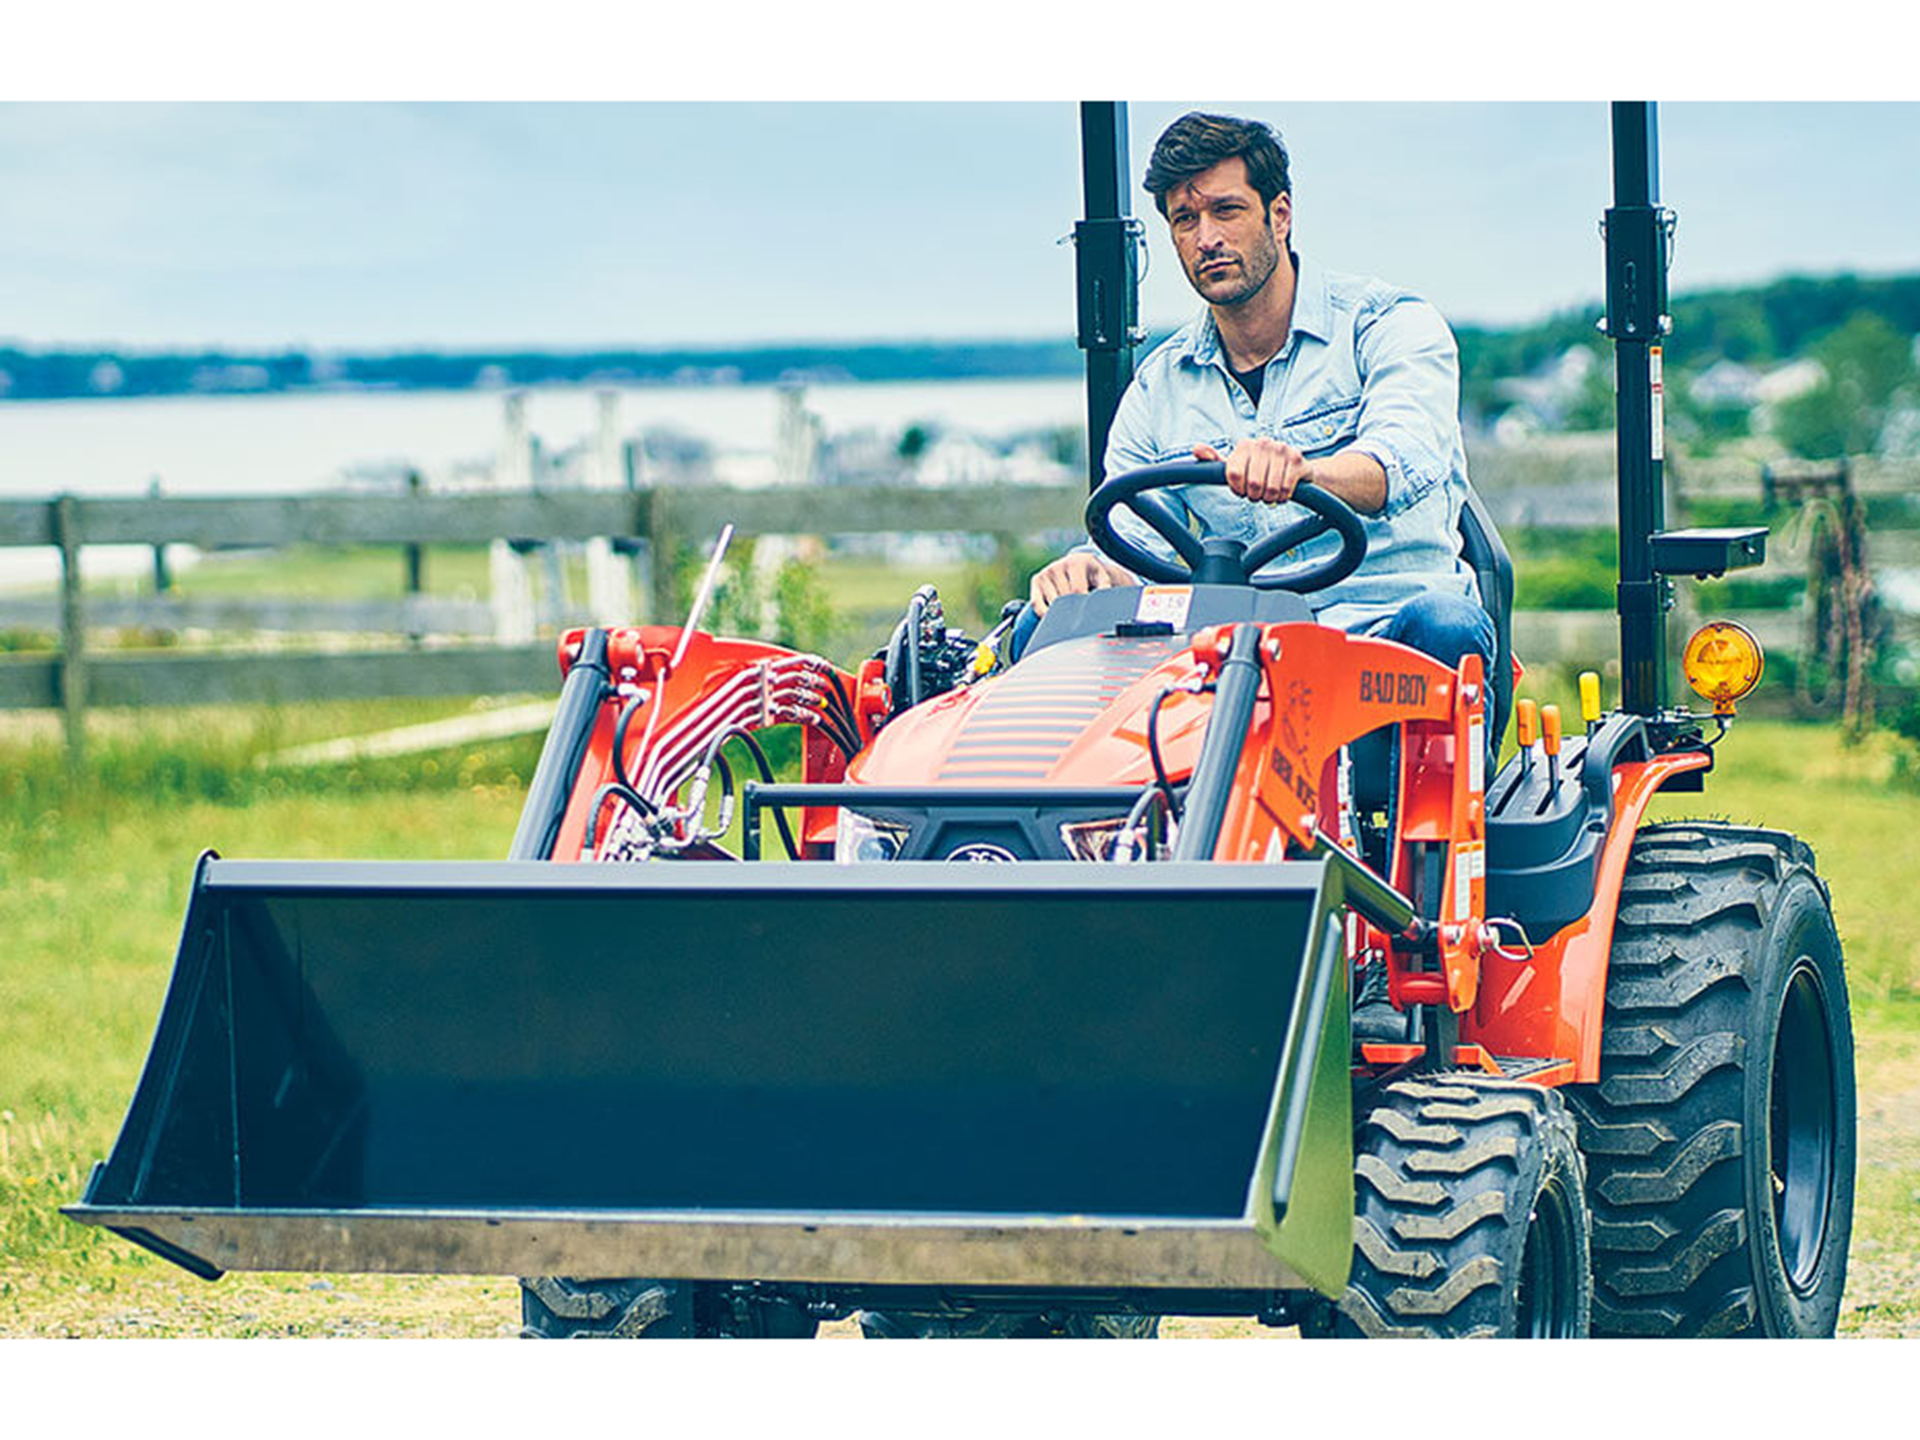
column 1446, row 627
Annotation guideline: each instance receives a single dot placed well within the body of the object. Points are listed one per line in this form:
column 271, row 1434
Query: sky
column 369, row 226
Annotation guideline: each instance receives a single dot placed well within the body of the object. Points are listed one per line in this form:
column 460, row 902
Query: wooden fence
column 660, row 519
column 1538, row 485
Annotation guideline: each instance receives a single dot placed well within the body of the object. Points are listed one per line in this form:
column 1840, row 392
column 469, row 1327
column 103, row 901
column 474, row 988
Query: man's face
column 1229, row 243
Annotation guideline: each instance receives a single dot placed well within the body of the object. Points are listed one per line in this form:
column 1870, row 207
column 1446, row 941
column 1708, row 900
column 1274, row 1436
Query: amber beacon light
column 1723, row 662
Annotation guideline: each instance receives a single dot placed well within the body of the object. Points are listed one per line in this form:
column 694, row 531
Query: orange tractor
column 1288, row 1004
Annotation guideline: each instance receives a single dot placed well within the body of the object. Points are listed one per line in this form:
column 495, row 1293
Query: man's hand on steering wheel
column 1262, row 470
column 1076, row 574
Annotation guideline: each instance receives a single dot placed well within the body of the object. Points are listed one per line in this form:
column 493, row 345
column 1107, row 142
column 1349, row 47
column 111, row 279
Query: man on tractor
column 1294, row 375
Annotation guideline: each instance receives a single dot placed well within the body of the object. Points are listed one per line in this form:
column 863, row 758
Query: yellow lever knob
column 1589, row 696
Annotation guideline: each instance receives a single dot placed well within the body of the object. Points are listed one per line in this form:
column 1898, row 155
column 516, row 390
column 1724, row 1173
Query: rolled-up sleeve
column 1409, row 398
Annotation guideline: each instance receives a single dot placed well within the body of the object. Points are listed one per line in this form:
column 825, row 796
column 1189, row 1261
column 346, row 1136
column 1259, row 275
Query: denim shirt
column 1366, row 367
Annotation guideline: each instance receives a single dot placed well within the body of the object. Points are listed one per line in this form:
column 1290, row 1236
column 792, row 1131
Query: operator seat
column 1482, row 549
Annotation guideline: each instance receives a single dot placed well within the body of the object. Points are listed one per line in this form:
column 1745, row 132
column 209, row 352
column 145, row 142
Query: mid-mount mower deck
column 1605, row 1081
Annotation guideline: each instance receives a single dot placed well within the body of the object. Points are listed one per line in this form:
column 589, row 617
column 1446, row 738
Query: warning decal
column 1469, row 865
column 1659, row 415
column 1165, row 602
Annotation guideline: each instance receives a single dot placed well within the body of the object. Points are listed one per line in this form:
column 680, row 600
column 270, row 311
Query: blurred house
column 1541, row 400
column 1725, row 385
column 1784, row 382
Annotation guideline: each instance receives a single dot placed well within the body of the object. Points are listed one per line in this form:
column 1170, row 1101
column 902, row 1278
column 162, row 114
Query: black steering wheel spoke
column 1264, row 552
column 1170, row 525
column 1221, row 561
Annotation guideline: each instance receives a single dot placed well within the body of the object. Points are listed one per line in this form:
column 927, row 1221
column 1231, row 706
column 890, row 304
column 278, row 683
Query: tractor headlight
column 1723, row 662
column 1101, row 840
column 858, row 838
column 1092, row 839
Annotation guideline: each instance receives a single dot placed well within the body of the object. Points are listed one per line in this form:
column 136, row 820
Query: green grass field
column 93, row 883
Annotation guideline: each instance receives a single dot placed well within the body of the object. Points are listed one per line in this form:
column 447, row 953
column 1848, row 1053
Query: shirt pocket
column 1325, row 425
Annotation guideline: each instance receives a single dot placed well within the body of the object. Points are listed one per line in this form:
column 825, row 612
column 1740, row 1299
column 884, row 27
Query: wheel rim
column 1548, row 1302
column 1801, row 1130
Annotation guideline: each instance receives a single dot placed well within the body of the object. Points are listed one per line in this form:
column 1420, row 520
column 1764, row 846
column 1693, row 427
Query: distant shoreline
column 107, row 374
column 1755, row 326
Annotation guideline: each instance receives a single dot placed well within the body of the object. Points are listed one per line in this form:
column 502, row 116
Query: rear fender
column 1553, row 1004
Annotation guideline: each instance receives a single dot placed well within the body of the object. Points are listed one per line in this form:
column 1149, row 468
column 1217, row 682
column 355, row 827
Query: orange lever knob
column 1550, row 727
column 1527, row 717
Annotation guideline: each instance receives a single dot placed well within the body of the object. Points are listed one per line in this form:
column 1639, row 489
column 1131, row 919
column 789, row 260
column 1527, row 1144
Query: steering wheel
column 1218, row 561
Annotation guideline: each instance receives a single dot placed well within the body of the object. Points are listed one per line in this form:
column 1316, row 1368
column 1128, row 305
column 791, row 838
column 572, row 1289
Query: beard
column 1256, row 269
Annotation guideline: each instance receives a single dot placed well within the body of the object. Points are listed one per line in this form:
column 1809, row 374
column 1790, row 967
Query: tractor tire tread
column 558, row 1308
column 1675, row 1251
column 1448, row 1175
column 562, row 1308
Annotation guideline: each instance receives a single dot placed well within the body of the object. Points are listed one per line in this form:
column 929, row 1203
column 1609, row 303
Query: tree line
column 1755, row 325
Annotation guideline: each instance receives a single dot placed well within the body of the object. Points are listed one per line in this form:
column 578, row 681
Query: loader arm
column 1324, row 689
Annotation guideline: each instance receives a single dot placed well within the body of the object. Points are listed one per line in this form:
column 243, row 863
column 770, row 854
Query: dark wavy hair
column 1197, row 142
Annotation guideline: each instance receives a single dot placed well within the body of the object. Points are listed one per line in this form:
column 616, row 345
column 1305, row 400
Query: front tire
column 1720, row 1138
column 1470, row 1215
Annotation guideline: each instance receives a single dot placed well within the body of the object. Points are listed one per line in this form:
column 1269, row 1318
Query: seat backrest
column 1482, row 549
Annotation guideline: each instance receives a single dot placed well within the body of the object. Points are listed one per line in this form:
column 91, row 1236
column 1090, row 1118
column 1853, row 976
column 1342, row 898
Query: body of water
column 201, row 445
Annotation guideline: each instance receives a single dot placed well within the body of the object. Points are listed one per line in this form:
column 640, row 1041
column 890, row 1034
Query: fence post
column 73, row 667
column 162, row 576
column 416, row 554
column 609, row 598
column 509, row 581
column 416, row 561
column 662, row 543
column 1006, row 553
column 633, row 471
column 550, row 608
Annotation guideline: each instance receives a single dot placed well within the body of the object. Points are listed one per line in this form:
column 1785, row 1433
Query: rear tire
column 1470, row 1216
column 1720, row 1139
column 557, row 1308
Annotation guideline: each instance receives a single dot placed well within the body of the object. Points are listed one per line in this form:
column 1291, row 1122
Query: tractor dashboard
column 1183, row 608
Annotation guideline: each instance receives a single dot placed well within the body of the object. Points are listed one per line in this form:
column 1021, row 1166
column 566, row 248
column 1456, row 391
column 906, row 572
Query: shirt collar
column 1312, row 315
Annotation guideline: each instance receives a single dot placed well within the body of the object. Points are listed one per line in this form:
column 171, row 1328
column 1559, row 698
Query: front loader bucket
column 1035, row 1074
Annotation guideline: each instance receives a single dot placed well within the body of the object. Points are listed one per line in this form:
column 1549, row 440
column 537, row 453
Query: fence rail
column 535, row 515
column 411, row 615
column 172, row 679
column 655, row 521
column 1548, row 484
